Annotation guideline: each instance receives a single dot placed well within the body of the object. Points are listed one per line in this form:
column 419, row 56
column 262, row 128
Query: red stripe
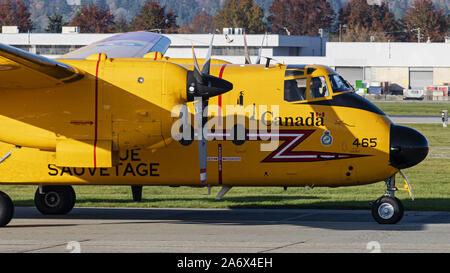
column 221, row 71
column 96, row 110
column 156, row 56
column 220, row 96
column 220, row 123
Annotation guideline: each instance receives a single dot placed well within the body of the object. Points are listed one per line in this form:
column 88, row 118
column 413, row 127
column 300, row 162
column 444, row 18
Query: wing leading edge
column 22, row 69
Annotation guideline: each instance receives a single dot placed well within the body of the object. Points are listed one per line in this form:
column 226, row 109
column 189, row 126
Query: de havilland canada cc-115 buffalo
column 118, row 112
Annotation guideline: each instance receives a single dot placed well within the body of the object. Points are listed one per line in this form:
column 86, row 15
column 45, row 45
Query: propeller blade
column 201, row 107
column 207, row 65
column 197, row 72
column 247, row 57
column 200, row 87
column 258, row 60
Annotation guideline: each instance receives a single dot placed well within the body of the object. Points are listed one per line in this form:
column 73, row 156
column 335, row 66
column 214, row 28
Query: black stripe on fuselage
column 348, row 99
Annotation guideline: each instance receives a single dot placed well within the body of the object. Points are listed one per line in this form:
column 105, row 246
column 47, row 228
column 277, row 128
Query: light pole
column 419, row 35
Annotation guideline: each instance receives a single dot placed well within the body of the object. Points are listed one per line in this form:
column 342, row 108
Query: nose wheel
column 388, row 209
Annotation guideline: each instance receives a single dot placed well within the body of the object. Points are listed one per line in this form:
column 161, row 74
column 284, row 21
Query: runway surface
column 88, row 230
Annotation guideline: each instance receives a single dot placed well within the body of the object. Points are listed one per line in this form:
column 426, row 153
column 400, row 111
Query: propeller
column 201, row 87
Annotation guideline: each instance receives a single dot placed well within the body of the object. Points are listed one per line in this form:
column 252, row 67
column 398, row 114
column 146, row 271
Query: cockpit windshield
column 338, row 84
column 312, row 83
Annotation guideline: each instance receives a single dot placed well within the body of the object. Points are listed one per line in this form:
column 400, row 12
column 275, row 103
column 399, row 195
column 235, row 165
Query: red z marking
column 292, row 139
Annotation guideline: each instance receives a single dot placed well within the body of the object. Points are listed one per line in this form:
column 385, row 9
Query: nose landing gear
column 388, row 209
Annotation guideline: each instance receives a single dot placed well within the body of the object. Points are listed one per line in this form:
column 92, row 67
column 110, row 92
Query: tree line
column 357, row 21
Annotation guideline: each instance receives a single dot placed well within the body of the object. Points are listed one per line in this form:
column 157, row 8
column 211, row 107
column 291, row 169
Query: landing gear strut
column 55, row 200
column 388, row 209
column 136, row 191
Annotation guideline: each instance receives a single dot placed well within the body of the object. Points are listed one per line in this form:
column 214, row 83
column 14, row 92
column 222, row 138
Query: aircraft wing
column 124, row 45
column 20, row 69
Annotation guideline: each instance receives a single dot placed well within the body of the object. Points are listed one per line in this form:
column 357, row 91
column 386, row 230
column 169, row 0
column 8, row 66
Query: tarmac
column 120, row 230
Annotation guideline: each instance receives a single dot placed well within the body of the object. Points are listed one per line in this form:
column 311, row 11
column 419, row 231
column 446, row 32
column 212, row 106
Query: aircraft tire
column 56, row 200
column 6, row 209
column 387, row 210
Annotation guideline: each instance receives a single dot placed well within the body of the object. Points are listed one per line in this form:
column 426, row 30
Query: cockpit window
column 294, row 73
column 295, row 90
column 339, row 84
column 318, row 88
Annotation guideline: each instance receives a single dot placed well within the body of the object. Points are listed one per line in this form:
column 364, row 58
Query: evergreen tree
column 253, row 17
column 153, row 17
column 241, row 14
column 55, row 23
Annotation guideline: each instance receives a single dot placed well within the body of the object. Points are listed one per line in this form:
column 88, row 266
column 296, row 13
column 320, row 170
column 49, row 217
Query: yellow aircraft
column 118, row 112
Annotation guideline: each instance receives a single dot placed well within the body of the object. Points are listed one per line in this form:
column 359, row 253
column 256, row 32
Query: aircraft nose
column 408, row 147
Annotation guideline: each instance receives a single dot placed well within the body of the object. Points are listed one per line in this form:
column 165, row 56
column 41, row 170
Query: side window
column 295, row 90
column 318, row 88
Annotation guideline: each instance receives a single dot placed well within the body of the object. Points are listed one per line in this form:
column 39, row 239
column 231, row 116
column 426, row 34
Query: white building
column 403, row 65
column 55, row 44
